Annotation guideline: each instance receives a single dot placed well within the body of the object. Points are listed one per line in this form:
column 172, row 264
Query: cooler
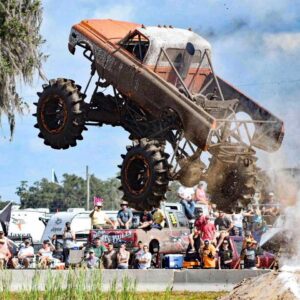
column 173, row 261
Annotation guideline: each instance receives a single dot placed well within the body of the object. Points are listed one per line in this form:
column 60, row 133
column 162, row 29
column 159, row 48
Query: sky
column 256, row 47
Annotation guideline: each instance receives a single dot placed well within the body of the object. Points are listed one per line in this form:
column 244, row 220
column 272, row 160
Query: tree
column 72, row 193
column 20, row 54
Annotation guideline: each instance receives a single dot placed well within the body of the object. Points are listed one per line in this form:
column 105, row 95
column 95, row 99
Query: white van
column 80, row 224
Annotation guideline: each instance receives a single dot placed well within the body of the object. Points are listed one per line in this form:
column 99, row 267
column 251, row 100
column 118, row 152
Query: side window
column 137, row 45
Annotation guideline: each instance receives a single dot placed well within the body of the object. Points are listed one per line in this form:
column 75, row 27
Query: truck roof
column 159, row 36
column 112, row 30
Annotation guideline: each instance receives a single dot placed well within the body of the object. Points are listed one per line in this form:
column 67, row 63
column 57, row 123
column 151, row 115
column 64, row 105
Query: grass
column 82, row 285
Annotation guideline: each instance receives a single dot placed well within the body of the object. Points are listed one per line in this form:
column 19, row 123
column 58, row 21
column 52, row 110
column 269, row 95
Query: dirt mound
column 283, row 285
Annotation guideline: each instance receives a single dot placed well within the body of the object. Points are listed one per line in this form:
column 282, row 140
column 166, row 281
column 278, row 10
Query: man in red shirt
column 208, row 231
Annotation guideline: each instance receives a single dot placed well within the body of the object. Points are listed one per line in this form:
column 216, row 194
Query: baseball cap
column 206, row 242
column 91, row 251
column 27, row 241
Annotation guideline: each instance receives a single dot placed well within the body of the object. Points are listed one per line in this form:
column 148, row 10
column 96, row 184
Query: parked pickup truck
column 173, row 238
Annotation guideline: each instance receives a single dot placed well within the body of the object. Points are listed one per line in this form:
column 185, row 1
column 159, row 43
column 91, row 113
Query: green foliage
column 71, row 193
column 20, row 54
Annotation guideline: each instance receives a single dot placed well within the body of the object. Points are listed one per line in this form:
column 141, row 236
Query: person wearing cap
column 225, row 256
column 249, row 256
column 208, row 255
column 25, row 255
column 5, row 254
column 92, row 261
column 99, row 217
column 248, row 238
column 45, row 254
column 124, row 216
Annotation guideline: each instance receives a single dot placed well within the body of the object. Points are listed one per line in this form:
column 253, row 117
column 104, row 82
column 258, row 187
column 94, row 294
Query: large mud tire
column 233, row 184
column 144, row 174
column 60, row 113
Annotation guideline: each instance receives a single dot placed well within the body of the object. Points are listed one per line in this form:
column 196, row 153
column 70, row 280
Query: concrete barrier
column 146, row 280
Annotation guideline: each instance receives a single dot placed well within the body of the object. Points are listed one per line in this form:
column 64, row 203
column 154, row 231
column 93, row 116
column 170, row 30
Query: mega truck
column 176, row 109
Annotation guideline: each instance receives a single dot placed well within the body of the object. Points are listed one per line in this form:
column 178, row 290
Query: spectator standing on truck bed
column 99, row 217
column 224, row 226
column 123, row 257
column 158, row 218
column 186, row 196
column 208, row 253
column 225, row 256
column 109, row 257
column 200, row 194
column 124, row 216
column 146, row 220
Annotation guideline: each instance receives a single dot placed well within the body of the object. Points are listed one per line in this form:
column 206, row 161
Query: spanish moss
column 20, row 55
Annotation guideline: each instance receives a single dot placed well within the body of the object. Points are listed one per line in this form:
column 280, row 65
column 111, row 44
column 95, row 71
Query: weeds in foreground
column 82, row 285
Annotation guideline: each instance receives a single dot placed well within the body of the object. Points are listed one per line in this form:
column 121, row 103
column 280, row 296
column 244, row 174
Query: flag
column 54, row 177
column 5, row 215
column 98, row 200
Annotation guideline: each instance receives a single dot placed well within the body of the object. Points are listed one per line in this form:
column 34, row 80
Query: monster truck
column 165, row 93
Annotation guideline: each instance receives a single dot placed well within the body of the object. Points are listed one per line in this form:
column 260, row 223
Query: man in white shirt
column 25, row 255
column 145, row 259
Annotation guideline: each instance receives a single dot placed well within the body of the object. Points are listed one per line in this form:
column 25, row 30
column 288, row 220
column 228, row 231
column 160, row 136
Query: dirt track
column 270, row 286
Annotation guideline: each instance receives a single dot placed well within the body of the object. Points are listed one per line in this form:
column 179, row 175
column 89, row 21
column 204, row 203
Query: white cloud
column 288, row 42
column 116, row 12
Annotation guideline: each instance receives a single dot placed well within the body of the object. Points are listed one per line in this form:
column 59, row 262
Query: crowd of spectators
column 209, row 241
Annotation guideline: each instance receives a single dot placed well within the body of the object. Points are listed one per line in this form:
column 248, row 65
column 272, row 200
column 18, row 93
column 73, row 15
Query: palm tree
column 20, row 55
